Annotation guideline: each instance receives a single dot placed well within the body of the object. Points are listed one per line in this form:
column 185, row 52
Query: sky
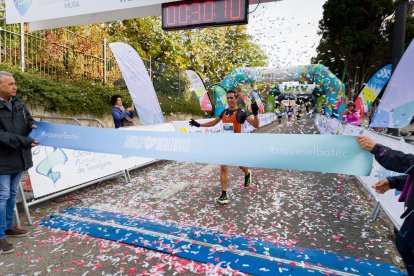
column 287, row 30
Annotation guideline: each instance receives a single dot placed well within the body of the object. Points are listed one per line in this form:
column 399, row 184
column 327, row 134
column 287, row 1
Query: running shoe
column 223, row 199
column 248, row 179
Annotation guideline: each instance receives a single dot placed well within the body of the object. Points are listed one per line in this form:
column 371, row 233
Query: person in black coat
column 15, row 155
column 397, row 161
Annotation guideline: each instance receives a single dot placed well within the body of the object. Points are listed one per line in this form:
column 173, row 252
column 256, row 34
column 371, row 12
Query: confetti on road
column 286, row 208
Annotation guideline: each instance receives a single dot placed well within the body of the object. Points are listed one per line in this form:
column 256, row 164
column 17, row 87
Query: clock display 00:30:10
column 187, row 14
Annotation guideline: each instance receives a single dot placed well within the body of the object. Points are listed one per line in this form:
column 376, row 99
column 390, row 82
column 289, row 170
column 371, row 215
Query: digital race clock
column 204, row 13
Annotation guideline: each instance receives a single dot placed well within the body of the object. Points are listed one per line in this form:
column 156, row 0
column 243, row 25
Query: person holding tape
column 233, row 119
column 397, row 161
column 15, row 155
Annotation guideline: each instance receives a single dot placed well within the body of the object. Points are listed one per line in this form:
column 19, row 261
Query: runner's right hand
column 255, row 108
column 194, row 123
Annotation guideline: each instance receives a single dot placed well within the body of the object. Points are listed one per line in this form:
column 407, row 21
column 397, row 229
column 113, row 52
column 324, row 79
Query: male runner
column 233, row 118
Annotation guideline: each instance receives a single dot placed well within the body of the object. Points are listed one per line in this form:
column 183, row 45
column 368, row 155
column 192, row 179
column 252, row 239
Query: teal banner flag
column 318, row 153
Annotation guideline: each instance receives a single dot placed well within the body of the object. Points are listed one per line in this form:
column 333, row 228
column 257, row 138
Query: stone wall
column 40, row 110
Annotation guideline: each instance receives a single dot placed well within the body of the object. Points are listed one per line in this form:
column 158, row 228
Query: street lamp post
column 398, row 40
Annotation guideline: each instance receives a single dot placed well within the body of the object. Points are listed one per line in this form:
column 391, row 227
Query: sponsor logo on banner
column 46, row 166
column 71, row 4
column 296, row 88
column 67, row 4
column 49, row 2
column 164, row 144
column 63, row 135
column 22, row 6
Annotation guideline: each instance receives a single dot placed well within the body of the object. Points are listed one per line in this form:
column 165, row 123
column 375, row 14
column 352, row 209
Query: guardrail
column 71, row 121
column 388, row 202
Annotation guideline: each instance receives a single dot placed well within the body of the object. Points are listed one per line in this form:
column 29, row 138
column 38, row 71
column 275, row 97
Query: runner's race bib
column 228, row 128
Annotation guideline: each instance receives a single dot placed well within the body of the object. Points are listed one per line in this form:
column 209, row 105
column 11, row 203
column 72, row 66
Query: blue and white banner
column 139, row 84
column 57, row 169
column 319, row 153
column 396, row 109
column 78, row 12
column 371, row 90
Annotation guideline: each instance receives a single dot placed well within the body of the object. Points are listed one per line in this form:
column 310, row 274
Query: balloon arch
column 332, row 88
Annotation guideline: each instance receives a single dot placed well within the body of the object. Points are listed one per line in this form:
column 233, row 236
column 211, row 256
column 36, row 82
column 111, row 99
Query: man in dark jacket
column 403, row 163
column 15, row 155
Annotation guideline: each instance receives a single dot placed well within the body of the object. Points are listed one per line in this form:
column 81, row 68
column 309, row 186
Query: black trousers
column 405, row 243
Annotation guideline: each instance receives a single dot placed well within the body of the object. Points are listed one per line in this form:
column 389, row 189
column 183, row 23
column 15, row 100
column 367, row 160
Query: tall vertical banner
column 396, row 108
column 270, row 103
column 371, row 90
column 259, row 102
column 199, row 89
column 139, row 84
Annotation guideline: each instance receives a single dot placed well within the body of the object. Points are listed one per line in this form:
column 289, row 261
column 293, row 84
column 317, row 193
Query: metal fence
column 91, row 122
column 57, row 53
column 64, row 54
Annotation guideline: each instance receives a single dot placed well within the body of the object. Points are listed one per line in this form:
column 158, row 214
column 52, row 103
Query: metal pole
column 398, row 41
column 16, row 217
column 353, row 91
column 375, row 212
column 22, row 60
column 25, row 205
column 104, row 61
column 179, row 82
column 127, row 177
column 399, row 31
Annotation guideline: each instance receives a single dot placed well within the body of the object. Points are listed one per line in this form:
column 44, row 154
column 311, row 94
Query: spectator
column 122, row 117
column 290, row 109
column 397, row 161
column 351, row 115
column 279, row 111
column 300, row 108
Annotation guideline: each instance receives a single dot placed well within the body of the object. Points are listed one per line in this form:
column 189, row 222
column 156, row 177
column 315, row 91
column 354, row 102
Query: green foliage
column 212, row 52
column 82, row 97
column 78, row 97
column 179, row 105
column 215, row 52
column 409, row 30
column 357, row 34
column 353, row 35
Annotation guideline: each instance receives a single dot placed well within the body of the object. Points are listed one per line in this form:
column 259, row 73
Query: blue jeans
column 9, row 185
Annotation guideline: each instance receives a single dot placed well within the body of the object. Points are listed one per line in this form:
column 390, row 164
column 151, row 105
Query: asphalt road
column 313, row 210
